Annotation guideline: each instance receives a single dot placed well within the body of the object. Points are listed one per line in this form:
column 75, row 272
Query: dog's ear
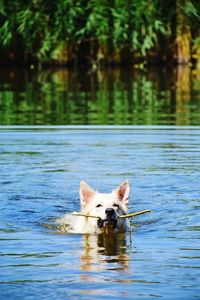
column 86, row 193
column 123, row 192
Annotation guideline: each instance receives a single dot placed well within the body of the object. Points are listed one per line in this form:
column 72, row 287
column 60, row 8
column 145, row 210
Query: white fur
column 94, row 203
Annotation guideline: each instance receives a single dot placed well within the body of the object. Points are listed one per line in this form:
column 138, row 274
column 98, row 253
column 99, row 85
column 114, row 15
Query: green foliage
column 192, row 9
column 98, row 19
column 6, row 33
column 40, row 26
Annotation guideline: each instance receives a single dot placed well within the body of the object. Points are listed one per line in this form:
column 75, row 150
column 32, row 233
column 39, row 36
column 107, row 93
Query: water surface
column 126, row 96
column 40, row 170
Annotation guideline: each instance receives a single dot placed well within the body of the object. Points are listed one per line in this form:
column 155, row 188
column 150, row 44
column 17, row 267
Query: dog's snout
column 109, row 211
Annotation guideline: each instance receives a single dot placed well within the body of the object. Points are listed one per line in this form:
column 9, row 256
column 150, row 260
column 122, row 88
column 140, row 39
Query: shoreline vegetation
column 99, row 33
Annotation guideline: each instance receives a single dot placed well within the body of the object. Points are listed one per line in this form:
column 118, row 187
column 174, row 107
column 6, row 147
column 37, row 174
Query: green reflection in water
column 117, row 96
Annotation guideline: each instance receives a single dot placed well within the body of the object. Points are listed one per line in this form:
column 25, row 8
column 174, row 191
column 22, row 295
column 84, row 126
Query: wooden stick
column 135, row 214
column 131, row 215
column 77, row 214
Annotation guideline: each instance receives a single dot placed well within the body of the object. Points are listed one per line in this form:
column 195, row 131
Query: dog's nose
column 109, row 211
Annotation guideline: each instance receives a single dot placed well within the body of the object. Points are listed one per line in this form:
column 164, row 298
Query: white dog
column 107, row 207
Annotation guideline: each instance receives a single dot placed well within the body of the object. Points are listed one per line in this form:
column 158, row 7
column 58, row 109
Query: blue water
column 40, row 170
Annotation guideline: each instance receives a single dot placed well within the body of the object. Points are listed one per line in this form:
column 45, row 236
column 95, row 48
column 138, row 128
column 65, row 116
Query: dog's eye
column 99, row 205
column 116, row 205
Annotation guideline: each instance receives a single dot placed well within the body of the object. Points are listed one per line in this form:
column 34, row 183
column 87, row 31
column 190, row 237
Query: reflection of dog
column 101, row 249
column 105, row 206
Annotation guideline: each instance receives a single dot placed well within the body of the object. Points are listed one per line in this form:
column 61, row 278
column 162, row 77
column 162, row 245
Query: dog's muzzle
column 111, row 219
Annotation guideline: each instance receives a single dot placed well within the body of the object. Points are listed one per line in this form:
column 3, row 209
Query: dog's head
column 105, row 206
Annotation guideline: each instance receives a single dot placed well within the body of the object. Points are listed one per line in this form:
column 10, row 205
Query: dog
column 107, row 207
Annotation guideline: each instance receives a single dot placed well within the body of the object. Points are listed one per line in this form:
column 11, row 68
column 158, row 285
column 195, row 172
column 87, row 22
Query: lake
column 127, row 96
column 40, row 171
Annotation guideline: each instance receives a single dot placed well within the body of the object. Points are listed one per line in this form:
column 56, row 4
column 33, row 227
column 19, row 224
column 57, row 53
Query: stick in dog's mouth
column 109, row 225
column 131, row 215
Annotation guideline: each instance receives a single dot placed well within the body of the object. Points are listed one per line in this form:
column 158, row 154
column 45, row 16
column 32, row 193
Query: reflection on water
column 111, row 247
column 101, row 255
column 116, row 96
